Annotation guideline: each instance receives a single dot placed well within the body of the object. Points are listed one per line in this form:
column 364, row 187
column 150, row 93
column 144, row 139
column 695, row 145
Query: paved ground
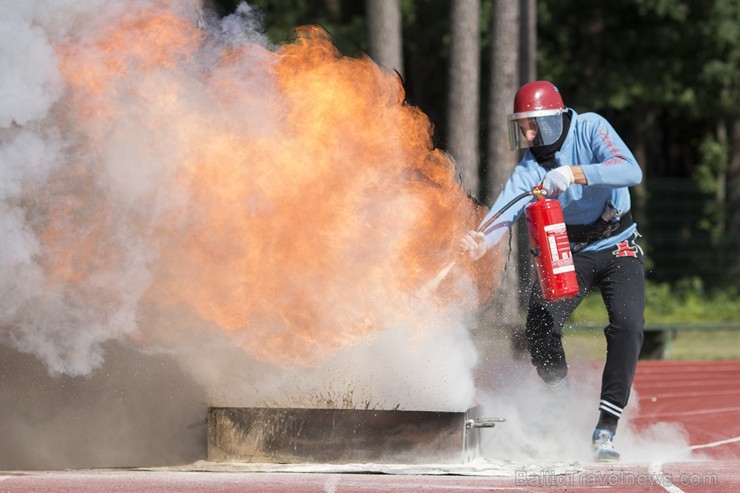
column 704, row 397
column 675, row 478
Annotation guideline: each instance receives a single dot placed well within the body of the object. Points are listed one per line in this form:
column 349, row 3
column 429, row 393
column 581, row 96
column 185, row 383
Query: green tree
column 666, row 73
column 343, row 19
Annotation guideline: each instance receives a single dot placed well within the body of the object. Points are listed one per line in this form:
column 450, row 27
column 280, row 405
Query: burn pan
column 343, row 436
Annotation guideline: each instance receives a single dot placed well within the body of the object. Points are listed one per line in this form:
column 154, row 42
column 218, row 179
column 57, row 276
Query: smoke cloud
column 555, row 427
column 191, row 216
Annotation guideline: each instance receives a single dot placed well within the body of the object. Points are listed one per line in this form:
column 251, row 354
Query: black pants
column 620, row 276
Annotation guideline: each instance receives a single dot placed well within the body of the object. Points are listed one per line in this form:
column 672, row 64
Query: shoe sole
column 607, row 460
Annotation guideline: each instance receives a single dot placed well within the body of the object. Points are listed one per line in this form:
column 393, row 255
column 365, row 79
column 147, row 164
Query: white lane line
column 693, row 413
column 661, row 479
column 656, row 468
column 715, row 444
column 673, row 369
column 668, row 395
column 693, row 383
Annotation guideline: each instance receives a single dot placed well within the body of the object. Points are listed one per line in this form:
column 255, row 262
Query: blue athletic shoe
column 603, row 447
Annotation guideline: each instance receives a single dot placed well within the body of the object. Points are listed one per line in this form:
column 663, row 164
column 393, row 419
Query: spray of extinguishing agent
column 549, row 244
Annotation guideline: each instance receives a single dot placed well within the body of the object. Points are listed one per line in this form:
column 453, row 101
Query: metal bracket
column 483, row 422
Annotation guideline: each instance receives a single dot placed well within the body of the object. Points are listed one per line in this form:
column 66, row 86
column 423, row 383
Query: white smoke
column 546, row 426
column 399, row 369
column 124, row 174
column 66, row 324
column 82, row 362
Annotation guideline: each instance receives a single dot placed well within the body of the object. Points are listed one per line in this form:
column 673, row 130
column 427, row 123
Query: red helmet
column 537, row 96
column 539, row 106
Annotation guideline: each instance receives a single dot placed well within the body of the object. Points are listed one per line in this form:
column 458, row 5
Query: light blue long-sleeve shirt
column 609, row 167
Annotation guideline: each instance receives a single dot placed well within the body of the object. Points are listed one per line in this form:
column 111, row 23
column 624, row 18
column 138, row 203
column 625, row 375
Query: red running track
column 704, row 397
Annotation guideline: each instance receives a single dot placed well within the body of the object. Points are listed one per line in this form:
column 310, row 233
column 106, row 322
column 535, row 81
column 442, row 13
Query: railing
column 658, row 337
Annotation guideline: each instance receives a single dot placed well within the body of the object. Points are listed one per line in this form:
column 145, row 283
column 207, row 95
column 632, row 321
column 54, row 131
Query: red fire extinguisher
column 552, row 255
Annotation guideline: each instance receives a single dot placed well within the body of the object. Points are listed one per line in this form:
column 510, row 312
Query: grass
column 687, row 304
column 700, row 344
column 589, row 345
column 686, row 345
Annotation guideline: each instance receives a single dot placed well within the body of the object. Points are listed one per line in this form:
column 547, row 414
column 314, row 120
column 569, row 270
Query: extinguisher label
column 557, row 239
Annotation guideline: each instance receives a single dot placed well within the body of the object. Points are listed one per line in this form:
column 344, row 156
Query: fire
column 143, row 39
column 296, row 202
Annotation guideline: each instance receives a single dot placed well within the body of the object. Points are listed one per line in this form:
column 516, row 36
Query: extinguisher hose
column 432, row 285
column 482, row 228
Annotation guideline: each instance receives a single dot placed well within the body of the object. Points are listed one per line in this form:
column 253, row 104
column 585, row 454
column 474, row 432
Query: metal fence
column 678, row 244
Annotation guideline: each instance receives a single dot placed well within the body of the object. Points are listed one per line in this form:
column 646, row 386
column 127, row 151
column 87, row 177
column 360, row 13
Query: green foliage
column 426, row 31
column 282, row 17
column 688, row 302
column 591, row 50
column 715, row 156
column 667, row 74
column 681, row 57
column 721, row 70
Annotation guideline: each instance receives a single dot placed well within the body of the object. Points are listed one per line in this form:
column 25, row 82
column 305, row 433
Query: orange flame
column 317, row 206
column 143, row 38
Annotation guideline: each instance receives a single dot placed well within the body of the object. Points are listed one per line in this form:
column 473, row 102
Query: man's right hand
column 557, row 180
column 474, row 242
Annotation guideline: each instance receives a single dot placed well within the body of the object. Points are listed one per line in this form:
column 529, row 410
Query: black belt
column 583, row 234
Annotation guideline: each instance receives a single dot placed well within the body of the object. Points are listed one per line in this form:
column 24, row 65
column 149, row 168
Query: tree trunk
column 464, row 92
column 504, row 84
column 501, row 160
column 528, row 41
column 385, row 33
column 527, row 73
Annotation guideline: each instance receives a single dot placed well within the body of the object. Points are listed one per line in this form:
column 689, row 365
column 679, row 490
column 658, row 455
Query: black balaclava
column 545, row 155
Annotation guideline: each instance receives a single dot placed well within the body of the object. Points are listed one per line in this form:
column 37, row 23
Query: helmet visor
column 533, row 128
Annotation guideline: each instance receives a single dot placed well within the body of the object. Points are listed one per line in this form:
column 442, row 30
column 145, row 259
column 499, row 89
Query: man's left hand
column 474, row 242
column 557, row 181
